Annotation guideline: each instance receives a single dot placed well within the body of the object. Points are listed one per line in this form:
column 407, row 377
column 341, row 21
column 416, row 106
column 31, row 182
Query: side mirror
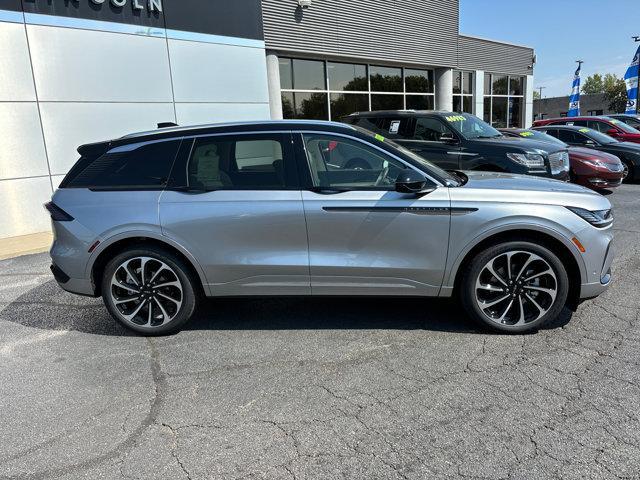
column 448, row 137
column 612, row 132
column 590, row 143
column 410, row 181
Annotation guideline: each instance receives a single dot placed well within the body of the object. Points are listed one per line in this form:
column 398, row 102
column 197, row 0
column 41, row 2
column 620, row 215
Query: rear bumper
column 73, row 285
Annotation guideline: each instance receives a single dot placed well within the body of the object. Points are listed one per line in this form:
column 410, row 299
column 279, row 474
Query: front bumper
column 594, row 288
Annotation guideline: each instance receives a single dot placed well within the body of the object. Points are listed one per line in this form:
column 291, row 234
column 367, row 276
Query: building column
column 528, row 101
column 478, row 94
column 444, row 89
column 273, row 82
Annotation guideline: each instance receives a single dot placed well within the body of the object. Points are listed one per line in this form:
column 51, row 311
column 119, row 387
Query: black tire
column 475, row 267
column 190, row 295
column 631, row 172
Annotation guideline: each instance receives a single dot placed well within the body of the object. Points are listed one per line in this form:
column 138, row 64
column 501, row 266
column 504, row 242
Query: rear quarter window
column 145, row 166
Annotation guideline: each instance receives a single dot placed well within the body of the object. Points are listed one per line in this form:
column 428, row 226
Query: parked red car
column 607, row 125
column 589, row 168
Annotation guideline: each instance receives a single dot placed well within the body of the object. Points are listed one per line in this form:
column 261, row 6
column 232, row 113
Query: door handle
column 327, row 190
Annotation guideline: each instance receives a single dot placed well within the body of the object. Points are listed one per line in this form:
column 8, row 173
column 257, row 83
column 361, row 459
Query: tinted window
column 227, row 163
column 286, row 73
column 420, row 102
column 396, row 127
column 347, row 76
column 305, row 105
column 343, row 104
column 572, row 138
column 430, row 129
column 145, row 167
column 515, row 85
column 418, row 81
column 599, row 126
column 337, row 162
column 387, row 102
column 499, row 84
column 386, row 79
column 515, row 112
column 499, row 112
column 308, row 75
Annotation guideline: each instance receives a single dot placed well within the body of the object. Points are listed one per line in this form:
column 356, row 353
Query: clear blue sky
column 561, row 31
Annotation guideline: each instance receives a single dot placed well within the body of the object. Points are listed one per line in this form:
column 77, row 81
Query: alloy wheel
column 516, row 288
column 146, row 292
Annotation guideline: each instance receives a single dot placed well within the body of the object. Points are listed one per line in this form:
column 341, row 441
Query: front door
column 239, row 212
column 364, row 237
column 427, row 141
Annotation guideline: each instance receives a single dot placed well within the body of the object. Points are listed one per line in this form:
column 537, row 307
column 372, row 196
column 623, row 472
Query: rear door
column 426, row 141
column 235, row 204
column 364, row 237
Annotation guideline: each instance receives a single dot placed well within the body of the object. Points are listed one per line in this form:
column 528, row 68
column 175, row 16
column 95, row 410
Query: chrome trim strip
column 95, row 25
column 410, row 210
column 11, row 16
column 209, row 38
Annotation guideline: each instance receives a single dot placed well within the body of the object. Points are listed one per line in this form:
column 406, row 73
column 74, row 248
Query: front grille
column 559, row 162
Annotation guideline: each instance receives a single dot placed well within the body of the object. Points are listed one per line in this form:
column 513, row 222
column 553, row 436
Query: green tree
column 593, row 85
column 615, row 92
column 536, row 95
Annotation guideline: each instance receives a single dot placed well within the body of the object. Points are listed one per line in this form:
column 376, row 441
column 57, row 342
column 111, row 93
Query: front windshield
column 542, row 137
column 471, row 127
column 450, row 180
column 599, row 137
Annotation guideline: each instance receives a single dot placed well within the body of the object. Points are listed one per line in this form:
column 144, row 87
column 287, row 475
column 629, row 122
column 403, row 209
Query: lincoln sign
column 151, row 5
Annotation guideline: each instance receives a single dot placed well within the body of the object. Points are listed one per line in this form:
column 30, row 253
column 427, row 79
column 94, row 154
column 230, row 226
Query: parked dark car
column 631, row 120
column 459, row 141
column 627, row 152
column 607, row 125
column 590, row 168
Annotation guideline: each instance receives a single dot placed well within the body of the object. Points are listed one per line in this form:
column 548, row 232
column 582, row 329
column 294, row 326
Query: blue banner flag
column 631, row 79
column 574, row 99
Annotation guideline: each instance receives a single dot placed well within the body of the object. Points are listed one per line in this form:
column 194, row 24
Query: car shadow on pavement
column 48, row 307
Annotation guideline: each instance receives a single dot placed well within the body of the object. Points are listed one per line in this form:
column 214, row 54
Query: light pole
column 540, row 102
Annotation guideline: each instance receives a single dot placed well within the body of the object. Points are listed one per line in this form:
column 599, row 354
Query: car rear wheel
column 515, row 287
column 149, row 290
column 628, row 172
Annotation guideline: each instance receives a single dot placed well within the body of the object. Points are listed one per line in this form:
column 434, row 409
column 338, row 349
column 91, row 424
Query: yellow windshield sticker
column 584, row 130
column 526, row 134
column 379, row 137
column 455, row 118
column 614, row 121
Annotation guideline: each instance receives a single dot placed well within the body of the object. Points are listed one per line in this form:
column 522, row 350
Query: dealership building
column 79, row 71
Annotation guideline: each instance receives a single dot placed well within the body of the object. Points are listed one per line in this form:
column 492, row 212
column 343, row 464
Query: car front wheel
column 515, row 287
column 149, row 290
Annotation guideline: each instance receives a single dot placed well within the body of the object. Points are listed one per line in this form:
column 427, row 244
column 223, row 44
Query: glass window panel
column 487, row 109
column 487, row 84
column 499, row 84
column 467, row 82
column 457, row 103
column 387, row 102
column 343, row 104
column 467, row 104
column 457, row 82
column 386, row 79
column 308, row 75
column 286, row 73
column 499, row 112
column 515, row 112
column 515, row 85
column 311, row 106
column 347, row 76
column 418, row 81
column 420, row 102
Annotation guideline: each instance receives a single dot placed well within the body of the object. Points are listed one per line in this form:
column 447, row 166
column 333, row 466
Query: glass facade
column 315, row 89
column 504, row 100
column 463, row 91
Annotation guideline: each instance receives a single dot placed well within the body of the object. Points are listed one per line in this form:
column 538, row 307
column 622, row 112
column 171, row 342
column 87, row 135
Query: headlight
column 598, row 218
column 529, row 160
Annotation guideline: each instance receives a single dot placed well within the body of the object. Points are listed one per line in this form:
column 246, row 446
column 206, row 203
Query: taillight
column 57, row 214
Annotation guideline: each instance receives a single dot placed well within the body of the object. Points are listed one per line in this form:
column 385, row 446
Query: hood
column 581, row 153
column 525, row 144
column 512, row 188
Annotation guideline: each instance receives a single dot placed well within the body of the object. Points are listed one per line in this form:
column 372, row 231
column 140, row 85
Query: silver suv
column 155, row 221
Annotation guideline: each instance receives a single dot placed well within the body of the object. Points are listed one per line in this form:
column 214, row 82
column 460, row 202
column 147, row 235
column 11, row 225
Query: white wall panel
column 69, row 125
column 207, row 72
column 16, row 80
column 22, row 211
column 22, row 151
column 203, row 113
column 84, row 65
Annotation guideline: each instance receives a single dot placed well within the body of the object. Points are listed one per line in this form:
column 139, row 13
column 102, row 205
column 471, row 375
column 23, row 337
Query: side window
column 396, row 127
column 553, row 132
column 142, row 166
column 599, row 126
column 572, row 138
column 430, row 129
column 342, row 163
column 238, row 163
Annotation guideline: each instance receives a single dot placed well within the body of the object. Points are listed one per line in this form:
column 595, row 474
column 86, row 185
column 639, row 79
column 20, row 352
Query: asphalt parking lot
column 320, row 388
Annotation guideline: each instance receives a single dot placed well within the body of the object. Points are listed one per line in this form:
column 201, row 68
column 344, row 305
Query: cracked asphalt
column 320, row 388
